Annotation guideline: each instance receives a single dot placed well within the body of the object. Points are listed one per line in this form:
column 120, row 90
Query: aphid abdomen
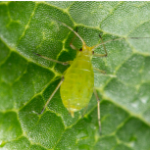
column 77, row 87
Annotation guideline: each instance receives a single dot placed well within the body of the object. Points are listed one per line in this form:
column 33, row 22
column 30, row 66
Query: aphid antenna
column 117, row 40
column 72, row 31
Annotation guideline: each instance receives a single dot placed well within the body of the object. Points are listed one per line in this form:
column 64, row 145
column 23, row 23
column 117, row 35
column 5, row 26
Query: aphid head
column 86, row 49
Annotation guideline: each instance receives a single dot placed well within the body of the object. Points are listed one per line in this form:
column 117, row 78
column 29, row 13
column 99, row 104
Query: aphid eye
column 80, row 49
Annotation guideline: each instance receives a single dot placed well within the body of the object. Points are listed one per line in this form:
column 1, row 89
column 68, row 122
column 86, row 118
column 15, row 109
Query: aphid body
column 77, row 87
column 77, row 83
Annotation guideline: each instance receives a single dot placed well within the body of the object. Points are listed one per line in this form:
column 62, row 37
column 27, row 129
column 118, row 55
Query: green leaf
column 27, row 81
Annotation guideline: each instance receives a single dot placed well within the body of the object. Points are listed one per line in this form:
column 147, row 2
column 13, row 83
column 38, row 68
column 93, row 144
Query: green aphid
column 77, row 83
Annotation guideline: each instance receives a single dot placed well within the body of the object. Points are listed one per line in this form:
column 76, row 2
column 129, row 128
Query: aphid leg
column 59, row 84
column 63, row 63
column 101, row 55
column 71, row 43
column 98, row 108
column 73, row 47
column 101, row 71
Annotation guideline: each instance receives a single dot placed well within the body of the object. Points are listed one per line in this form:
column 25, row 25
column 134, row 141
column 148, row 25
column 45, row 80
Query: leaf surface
column 27, row 81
